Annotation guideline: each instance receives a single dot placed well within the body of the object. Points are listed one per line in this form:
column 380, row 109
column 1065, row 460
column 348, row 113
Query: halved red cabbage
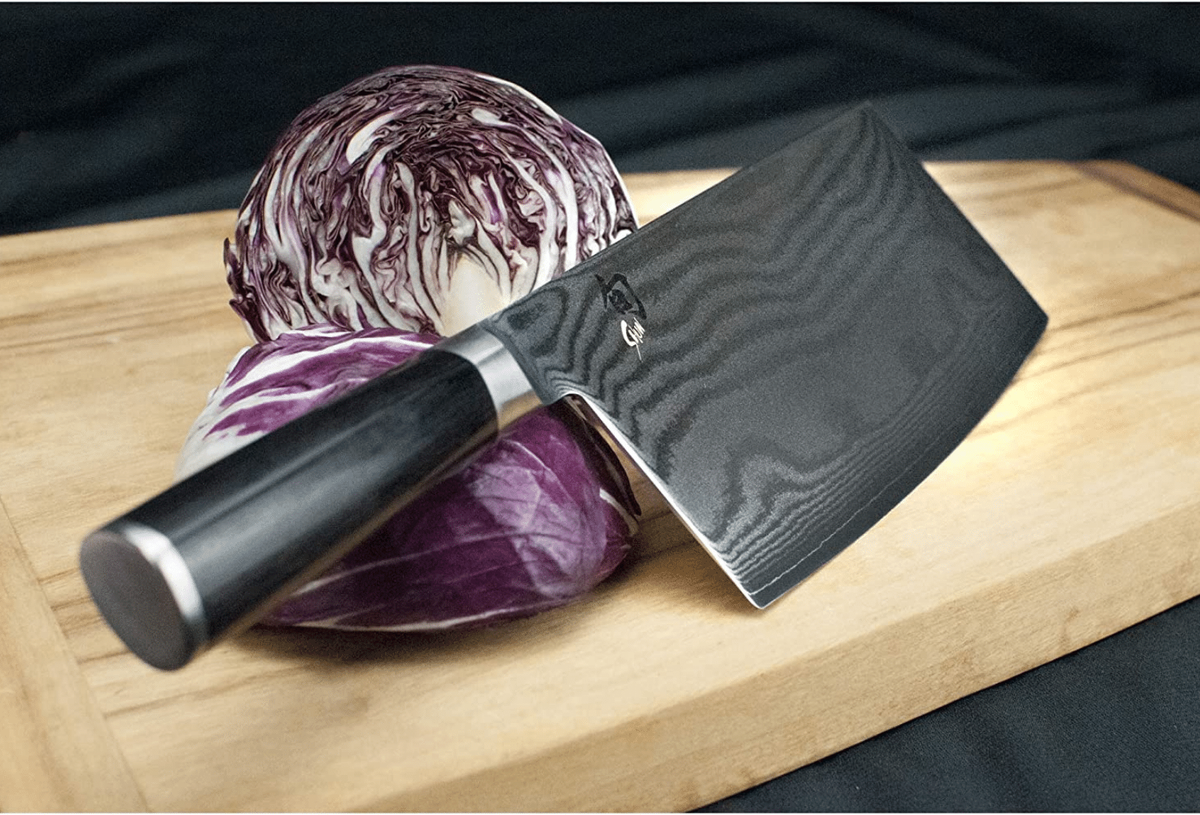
column 403, row 207
column 420, row 197
column 532, row 523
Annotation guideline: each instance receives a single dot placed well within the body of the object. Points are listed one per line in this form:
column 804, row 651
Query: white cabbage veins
column 423, row 198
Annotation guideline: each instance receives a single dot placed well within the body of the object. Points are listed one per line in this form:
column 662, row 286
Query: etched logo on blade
column 619, row 298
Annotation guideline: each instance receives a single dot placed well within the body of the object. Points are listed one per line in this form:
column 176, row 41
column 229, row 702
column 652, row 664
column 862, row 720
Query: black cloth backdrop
column 111, row 112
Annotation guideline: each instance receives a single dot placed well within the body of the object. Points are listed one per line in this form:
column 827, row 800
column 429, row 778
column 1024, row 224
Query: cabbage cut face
column 422, row 198
column 532, row 523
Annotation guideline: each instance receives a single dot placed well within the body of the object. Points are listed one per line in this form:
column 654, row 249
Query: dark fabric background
column 110, row 112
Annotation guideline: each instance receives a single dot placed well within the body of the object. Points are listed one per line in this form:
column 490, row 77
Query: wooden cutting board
column 1071, row 512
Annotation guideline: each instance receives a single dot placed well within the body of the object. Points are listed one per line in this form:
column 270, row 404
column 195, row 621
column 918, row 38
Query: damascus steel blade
column 790, row 353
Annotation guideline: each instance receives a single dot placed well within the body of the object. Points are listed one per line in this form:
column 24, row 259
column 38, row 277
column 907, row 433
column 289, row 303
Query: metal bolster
column 512, row 394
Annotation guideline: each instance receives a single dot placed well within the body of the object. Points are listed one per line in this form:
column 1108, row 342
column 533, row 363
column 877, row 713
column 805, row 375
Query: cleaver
column 786, row 356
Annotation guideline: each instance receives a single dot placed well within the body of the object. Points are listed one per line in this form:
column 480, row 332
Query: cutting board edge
column 1130, row 178
column 64, row 762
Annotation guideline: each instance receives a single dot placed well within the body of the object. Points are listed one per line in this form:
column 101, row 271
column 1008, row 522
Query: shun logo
column 619, row 298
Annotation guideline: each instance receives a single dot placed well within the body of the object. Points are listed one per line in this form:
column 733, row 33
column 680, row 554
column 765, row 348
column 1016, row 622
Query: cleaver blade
column 786, row 356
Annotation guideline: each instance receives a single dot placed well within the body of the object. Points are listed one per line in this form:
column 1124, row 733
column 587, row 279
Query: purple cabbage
column 531, row 523
column 404, row 207
column 419, row 197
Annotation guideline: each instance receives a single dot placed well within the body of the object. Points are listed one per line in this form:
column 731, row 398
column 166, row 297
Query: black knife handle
column 212, row 553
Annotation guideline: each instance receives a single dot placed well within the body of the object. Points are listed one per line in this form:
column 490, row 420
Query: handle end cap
column 134, row 577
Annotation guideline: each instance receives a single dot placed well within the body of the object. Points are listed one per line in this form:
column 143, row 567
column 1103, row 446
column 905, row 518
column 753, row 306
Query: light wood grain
column 1137, row 181
column 655, row 193
column 1071, row 512
column 58, row 752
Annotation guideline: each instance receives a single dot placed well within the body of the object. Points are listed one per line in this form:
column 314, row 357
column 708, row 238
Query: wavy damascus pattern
column 793, row 352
